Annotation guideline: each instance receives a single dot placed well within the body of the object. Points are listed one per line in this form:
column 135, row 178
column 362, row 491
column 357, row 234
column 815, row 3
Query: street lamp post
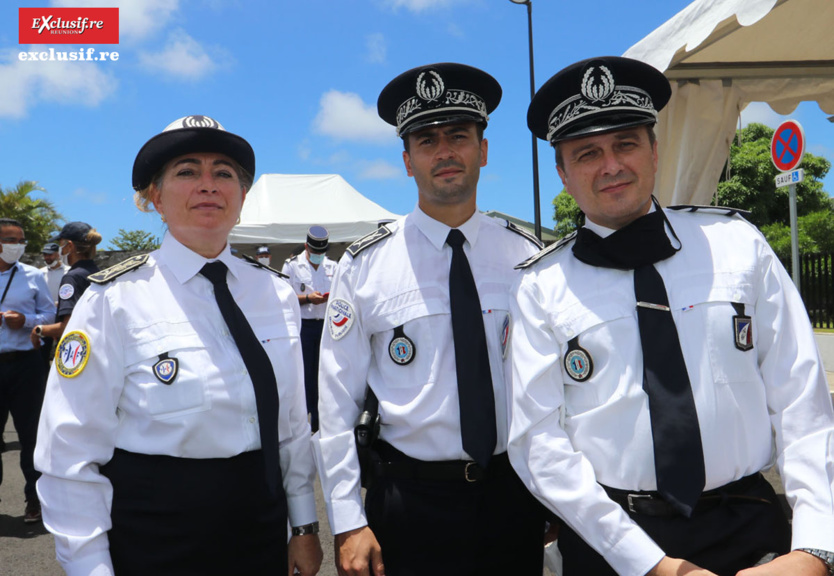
column 536, row 207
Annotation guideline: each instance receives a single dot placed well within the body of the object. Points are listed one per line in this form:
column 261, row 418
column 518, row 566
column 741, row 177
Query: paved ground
column 28, row 549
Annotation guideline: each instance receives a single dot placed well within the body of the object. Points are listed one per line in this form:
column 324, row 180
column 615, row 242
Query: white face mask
column 12, row 252
column 264, row 261
column 316, row 259
column 55, row 264
column 64, row 257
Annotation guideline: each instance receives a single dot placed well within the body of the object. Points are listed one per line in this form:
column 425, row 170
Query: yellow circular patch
column 72, row 354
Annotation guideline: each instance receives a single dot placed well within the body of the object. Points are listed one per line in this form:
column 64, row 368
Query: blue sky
column 299, row 79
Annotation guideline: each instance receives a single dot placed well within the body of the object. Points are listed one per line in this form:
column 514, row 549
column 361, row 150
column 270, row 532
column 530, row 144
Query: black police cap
column 435, row 94
column 318, row 238
column 189, row 135
column 597, row 95
column 74, row 231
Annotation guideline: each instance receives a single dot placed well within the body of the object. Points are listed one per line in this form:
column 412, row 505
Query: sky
column 299, row 79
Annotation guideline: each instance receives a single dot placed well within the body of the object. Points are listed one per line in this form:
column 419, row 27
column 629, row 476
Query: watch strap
column 312, row 528
column 824, row 555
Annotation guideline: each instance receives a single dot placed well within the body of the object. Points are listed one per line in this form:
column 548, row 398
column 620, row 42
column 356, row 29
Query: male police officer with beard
column 418, row 314
column 653, row 355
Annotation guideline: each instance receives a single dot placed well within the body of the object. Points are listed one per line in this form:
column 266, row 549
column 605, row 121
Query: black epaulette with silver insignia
column 720, row 210
column 524, row 232
column 368, row 240
column 254, row 262
column 549, row 250
column 123, row 267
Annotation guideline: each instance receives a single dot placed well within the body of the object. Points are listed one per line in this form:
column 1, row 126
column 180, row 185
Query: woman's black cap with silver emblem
column 597, row 95
column 189, row 135
column 435, row 94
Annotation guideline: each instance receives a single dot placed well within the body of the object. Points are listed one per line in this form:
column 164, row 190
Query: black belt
column 309, row 320
column 14, row 355
column 653, row 504
column 395, row 464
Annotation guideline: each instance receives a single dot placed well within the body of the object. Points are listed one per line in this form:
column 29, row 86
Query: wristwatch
column 306, row 529
column 824, row 555
column 39, row 330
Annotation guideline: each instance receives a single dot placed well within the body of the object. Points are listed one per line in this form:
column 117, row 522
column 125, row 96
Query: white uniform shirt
column 403, row 280
column 305, row 279
column 208, row 411
column 567, row 435
column 53, row 279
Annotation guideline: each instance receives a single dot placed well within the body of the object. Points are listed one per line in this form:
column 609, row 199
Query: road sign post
column 786, row 150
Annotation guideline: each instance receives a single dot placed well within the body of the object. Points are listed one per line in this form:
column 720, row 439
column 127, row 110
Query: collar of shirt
column 436, row 231
column 604, row 232
column 184, row 263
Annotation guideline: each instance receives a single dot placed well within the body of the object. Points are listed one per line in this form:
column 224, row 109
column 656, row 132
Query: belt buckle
column 466, row 472
column 631, row 499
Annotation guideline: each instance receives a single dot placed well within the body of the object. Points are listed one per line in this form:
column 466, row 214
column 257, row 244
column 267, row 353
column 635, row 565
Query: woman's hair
column 86, row 250
column 142, row 198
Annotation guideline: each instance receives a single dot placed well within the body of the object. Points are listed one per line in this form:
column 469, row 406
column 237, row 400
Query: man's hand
column 317, row 298
column 677, row 567
column 304, row 553
column 358, row 553
column 14, row 320
column 797, row 563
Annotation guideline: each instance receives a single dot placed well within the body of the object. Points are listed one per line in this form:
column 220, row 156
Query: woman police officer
column 174, row 435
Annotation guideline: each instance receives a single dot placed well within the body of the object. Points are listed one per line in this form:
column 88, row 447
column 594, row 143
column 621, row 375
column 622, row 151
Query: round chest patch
column 401, row 349
column 66, row 291
column 340, row 317
column 578, row 364
column 72, row 354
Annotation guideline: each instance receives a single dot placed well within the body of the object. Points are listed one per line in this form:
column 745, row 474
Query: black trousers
column 195, row 517
column 22, row 386
column 456, row 528
column 730, row 537
column 310, row 341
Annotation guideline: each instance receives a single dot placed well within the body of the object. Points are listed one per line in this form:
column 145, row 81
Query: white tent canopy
column 720, row 55
column 281, row 207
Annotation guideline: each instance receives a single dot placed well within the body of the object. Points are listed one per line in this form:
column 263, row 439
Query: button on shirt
column 403, row 280
column 305, row 279
column 208, row 411
column 29, row 295
column 568, row 435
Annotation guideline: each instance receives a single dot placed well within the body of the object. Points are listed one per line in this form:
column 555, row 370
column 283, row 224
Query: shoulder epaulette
column 558, row 245
column 109, row 274
column 720, row 210
column 368, row 240
column 257, row 264
column 291, row 258
column 524, row 232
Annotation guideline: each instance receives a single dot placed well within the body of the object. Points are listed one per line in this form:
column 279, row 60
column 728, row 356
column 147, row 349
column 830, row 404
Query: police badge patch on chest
column 166, row 369
column 578, row 361
column 401, row 348
column 742, row 328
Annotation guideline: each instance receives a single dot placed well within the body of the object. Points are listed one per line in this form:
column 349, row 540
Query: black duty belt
column 395, row 464
column 652, row 504
column 14, row 356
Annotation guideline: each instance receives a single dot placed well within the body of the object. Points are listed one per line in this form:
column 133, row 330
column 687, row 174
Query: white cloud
column 418, row 5
column 138, row 19
column 344, row 116
column 377, row 48
column 27, row 83
column 760, row 113
column 183, row 58
column 380, row 170
column 90, row 197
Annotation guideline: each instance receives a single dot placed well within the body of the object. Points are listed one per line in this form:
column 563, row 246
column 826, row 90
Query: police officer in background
column 418, row 314
column 263, row 256
column 653, row 353
column 310, row 274
column 54, row 269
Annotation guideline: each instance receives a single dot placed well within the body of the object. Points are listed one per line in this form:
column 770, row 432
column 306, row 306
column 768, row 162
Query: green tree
column 567, row 214
column 38, row 215
column 134, row 240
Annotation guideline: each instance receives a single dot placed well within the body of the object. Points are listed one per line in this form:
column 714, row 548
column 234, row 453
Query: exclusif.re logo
column 68, row 25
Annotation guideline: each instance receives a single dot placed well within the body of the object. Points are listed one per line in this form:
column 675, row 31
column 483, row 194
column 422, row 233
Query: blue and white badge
column 742, row 328
column 72, row 354
column 166, row 369
column 578, row 362
column 401, row 348
column 66, row 291
column 340, row 317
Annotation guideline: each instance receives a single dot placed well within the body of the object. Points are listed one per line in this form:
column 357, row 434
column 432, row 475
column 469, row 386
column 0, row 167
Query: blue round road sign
column 787, row 146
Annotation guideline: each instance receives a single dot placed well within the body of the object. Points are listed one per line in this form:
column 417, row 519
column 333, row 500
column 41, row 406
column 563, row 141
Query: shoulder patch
column 720, row 210
column 109, row 274
column 523, row 232
column 257, row 264
column 555, row 247
column 368, row 240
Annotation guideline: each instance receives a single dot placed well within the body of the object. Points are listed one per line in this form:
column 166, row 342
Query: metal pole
column 536, row 207
column 794, row 237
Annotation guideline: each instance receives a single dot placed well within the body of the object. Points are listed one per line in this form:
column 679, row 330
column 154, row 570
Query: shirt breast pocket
column 164, row 366
column 279, row 335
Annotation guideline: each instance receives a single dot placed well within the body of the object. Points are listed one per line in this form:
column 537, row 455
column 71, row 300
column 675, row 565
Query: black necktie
column 678, row 454
column 477, row 401
column 257, row 364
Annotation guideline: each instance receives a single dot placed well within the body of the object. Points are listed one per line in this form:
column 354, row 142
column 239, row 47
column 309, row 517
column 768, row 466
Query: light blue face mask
column 316, row 258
